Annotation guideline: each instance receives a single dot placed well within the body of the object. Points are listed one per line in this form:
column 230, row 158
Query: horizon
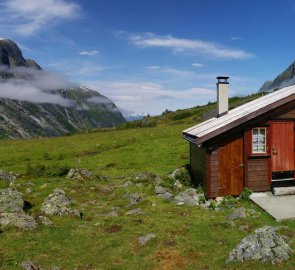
column 149, row 56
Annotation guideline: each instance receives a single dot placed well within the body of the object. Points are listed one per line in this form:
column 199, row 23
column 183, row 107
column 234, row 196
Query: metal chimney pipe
column 222, row 95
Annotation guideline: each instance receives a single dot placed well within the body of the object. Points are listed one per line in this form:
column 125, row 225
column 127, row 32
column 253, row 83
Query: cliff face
column 34, row 102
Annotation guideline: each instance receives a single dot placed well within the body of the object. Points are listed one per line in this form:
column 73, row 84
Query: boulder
column 188, row 197
column 177, row 184
column 20, row 220
column 11, row 201
column 135, row 198
column 265, row 244
column 166, row 196
column 180, row 174
column 146, row 177
column 58, row 204
column 144, row 239
column 28, row 265
column 9, row 177
column 160, row 190
column 79, row 174
column 44, row 220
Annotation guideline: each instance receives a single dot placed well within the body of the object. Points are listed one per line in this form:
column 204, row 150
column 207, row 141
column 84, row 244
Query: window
column 259, row 140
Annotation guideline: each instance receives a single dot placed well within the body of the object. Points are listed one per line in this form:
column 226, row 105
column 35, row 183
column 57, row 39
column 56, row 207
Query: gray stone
column 264, row 244
column 158, row 181
column 160, row 190
column 146, row 177
column 11, row 201
column 9, row 177
column 253, row 213
column 135, row 198
column 44, row 220
column 28, row 265
column 280, row 191
column 238, row 213
column 134, row 212
column 79, row 174
column 144, row 239
column 166, row 196
column 187, row 197
column 20, row 220
column 128, row 183
column 58, row 204
column 177, row 184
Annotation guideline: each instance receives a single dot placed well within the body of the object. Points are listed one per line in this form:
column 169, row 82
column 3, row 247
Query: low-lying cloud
column 34, row 86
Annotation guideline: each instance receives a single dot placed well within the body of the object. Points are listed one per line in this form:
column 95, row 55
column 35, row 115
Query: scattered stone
column 265, row 244
column 158, row 181
column 253, row 213
column 44, row 221
column 135, row 198
column 166, row 196
column 146, row 177
column 205, row 205
column 20, row 220
column 28, row 265
column 9, row 177
column 180, row 174
column 128, row 183
column 79, row 174
column 106, row 189
column 11, row 201
column 29, row 190
column 144, row 239
column 187, row 197
column 238, row 213
column 218, row 200
column 154, row 204
column 57, row 204
column 134, row 212
column 160, row 190
column 177, row 184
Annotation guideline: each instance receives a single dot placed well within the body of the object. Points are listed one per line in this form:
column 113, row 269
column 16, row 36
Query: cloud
column 153, row 67
column 89, row 53
column 152, row 97
column 27, row 17
column 198, row 65
column 34, row 86
column 182, row 45
column 236, row 38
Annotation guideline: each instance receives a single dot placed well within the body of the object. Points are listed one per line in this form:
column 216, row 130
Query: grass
column 186, row 237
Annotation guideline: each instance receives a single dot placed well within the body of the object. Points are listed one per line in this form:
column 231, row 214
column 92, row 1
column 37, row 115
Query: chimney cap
column 222, row 79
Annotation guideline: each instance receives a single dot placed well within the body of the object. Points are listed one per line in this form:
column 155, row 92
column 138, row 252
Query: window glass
column 258, row 140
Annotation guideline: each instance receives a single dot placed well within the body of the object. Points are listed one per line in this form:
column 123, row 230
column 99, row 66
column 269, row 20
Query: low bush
column 245, row 195
column 54, row 170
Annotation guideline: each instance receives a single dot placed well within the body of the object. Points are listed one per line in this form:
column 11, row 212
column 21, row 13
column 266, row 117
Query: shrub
column 229, row 202
column 54, row 170
column 202, row 199
column 213, row 204
column 199, row 189
column 182, row 175
column 245, row 195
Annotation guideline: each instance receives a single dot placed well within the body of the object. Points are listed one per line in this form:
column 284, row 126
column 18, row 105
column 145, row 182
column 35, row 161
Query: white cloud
column 153, row 67
column 198, row 65
column 182, row 45
column 237, row 38
column 27, row 17
column 151, row 97
column 89, row 53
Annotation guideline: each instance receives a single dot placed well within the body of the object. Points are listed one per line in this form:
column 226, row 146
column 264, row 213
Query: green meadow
column 186, row 237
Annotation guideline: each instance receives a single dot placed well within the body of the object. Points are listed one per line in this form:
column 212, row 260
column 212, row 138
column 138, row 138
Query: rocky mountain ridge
column 34, row 102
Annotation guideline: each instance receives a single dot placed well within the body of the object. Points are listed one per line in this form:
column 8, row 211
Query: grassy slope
column 187, row 237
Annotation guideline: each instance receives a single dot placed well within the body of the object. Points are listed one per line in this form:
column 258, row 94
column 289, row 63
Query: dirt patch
column 169, row 243
column 170, row 259
column 113, row 229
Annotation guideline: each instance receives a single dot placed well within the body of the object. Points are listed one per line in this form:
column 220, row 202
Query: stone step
column 279, row 191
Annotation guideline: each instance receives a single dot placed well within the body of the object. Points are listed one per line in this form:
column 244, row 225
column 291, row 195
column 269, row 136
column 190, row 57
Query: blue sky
column 152, row 55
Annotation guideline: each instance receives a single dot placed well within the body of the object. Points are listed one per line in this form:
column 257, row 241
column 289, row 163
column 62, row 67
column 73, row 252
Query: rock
column 44, row 221
column 160, row 190
column 128, row 183
column 144, row 239
column 135, row 198
column 166, row 196
column 9, row 177
column 177, row 184
column 79, row 174
column 238, row 213
column 11, row 201
column 265, row 244
column 218, row 200
column 29, row 190
column 180, row 174
column 253, row 213
column 146, row 177
column 106, row 189
column 187, row 197
column 205, row 205
column 134, row 212
column 158, row 181
column 20, row 220
column 28, row 265
column 58, row 204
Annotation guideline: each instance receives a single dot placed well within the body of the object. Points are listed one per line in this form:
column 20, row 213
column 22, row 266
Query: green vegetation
column 186, row 237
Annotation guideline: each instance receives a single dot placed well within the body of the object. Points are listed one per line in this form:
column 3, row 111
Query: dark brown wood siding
column 198, row 164
column 213, row 180
column 288, row 115
column 258, row 174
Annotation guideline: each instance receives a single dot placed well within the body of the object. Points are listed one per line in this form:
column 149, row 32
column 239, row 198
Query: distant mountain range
column 34, row 102
column 286, row 78
column 135, row 116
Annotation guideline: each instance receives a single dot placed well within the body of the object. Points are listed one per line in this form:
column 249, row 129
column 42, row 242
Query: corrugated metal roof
column 213, row 124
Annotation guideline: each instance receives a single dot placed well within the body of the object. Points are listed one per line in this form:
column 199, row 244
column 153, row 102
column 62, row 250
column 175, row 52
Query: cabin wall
column 198, row 164
column 257, row 172
column 288, row 115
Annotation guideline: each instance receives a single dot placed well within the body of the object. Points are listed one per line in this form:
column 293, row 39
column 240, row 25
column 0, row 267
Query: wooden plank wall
column 288, row 115
column 213, row 181
column 258, row 174
column 198, row 164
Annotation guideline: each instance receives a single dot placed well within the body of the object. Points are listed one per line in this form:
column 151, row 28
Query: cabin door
column 282, row 147
column 231, row 168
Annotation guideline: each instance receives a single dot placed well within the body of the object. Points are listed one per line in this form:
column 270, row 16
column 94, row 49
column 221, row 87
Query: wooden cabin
column 249, row 146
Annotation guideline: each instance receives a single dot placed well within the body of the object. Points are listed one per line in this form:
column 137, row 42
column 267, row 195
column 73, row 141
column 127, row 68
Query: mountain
column 286, row 78
column 135, row 116
column 34, row 102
